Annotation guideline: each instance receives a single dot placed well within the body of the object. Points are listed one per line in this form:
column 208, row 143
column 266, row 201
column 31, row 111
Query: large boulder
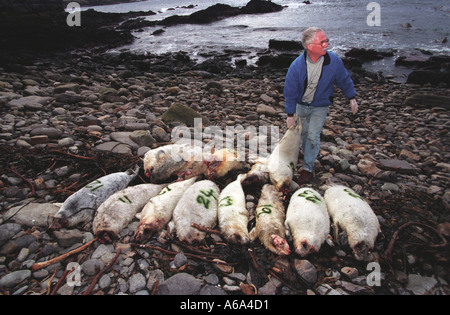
column 261, row 6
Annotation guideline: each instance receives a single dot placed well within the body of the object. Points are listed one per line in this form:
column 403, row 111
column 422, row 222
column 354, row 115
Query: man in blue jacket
column 309, row 90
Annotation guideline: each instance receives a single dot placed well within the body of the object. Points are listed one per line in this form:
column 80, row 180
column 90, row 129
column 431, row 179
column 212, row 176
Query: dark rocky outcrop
column 288, row 45
column 261, row 6
column 41, row 27
column 213, row 13
column 365, row 55
column 30, row 6
column 89, row 3
column 434, row 70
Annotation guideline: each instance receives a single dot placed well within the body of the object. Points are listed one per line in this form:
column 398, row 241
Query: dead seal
column 118, row 210
column 283, row 160
column 81, row 206
column 233, row 214
column 307, row 221
column 353, row 214
column 158, row 211
column 270, row 217
column 198, row 205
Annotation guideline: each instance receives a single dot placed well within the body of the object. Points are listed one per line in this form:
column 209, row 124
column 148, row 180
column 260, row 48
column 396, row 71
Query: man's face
column 319, row 45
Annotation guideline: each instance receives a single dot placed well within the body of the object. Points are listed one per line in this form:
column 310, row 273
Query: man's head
column 315, row 41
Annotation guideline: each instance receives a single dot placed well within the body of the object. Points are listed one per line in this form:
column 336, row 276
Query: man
column 309, row 90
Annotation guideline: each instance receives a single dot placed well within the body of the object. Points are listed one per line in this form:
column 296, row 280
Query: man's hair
column 308, row 35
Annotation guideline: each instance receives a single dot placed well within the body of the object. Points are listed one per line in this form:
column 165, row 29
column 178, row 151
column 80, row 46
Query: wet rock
column 326, row 289
column 354, row 288
column 350, row 272
column 69, row 97
column 390, row 187
column 125, row 138
column 400, row 166
column 285, row 45
column 211, row 290
column 266, row 110
column 46, row 131
column 261, row 6
column 38, row 140
column 365, row 55
column 180, row 284
column 306, row 270
column 114, row 147
column 33, row 214
column 136, row 282
column 14, row 278
column 160, row 134
column 142, row 138
column 420, row 285
column 428, row 101
column 277, row 61
column 92, row 266
column 17, row 244
column 180, row 260
column 182, row 113
column 368, row 167
column 67, row 238
column 74, row 87
column 24, row 101
column 270, row 288
column 155, row 276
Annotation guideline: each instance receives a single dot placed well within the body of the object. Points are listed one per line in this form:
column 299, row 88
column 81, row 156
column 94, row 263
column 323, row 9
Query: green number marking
column 310, row 196
column 353, row 194
column 202, row 200
column 96, row 184
column 264, row 209
column 205, row 200
column 165, row 190
column 125, row 199
column 226, row 201
column 209, row 193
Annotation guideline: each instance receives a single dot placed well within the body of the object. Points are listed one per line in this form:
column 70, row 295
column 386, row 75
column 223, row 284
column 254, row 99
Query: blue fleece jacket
column 333, row 72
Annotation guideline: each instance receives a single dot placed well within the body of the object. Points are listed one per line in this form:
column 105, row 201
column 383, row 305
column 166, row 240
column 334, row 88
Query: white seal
column 158, row 211
column 283, row 160
column 233, row 214
column 270, row 216
column 307, row 221
column 119, row 210
column 81, row 206
column 197, row 205
column 354, row 215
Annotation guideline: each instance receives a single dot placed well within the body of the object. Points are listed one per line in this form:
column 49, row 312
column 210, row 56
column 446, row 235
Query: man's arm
column 345, row 83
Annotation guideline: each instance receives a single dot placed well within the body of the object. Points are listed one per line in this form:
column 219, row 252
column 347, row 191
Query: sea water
column 406, row 27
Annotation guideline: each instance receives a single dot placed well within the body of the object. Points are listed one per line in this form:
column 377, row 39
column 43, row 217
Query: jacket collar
column 326, row 60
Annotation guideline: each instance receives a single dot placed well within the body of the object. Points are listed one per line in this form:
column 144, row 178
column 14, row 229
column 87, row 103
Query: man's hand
column 354, row 106
column 291, row 122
